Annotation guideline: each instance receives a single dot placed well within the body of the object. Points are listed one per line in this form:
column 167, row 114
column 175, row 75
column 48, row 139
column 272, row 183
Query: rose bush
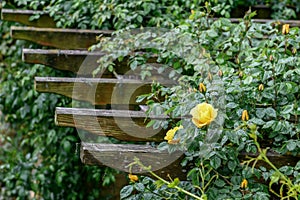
column 251, row 75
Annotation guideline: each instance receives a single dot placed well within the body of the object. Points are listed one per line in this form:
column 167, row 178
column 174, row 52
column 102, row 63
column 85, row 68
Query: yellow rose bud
column 241, row 74
column 170, row 135
column 271, row 58
column 261, row 87
column 203, row 114
column 133, row 178
column 220, row 73
column 202, row 87
column 244, row 183
column 245, row 116
column 285, row 29
column 294, row 51
column 209, row 76
column 192, row 12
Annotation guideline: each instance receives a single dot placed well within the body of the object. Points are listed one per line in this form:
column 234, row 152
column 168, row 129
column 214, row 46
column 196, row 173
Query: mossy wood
column 57, row 37
column 122, row 155
column 98, row 91
column 120, row 124
column 23, row 17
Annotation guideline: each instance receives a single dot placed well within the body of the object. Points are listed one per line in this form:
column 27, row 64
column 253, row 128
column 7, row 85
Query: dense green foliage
column 245, row 67
column 39, row 157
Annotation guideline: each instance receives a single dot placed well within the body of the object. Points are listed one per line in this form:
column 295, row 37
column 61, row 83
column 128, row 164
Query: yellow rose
column 203, row 114
column 170, row 134
column 133, row 178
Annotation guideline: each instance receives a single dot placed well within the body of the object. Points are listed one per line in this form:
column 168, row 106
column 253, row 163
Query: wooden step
column 23, row 17
column 77, row 61
column 120, row 124
column 81, row 62
column 45, row 21
column 120, row 156
column 293, row 23
column 98, row 91
column 58, row 37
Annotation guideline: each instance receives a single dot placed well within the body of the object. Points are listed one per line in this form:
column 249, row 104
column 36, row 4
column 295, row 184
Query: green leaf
column 231, row 165
column 220, row 183
column 215, row 162
column 150, row 123
column 174, row 183
column 212, row 33
column 270, row 112
column 139, row 187
column 291, row 145
column 159, row 183
column 248, row 80
column 287, row 109
column 126, row 191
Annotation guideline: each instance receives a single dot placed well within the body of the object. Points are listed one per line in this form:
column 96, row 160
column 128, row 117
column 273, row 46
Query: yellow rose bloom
column 170, row 134
column 133, row 178
column 203, row 114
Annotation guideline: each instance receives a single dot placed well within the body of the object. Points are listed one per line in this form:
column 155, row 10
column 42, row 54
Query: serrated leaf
column 126, row 191
column 248, row 80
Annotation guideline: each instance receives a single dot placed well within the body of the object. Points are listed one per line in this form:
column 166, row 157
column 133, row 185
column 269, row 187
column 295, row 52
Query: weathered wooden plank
column 81, row 62
column 23, row 17
column 121, row 124
column 98, row 91
column 295, row 23
column 76, row 61
column 57, row 37
column 120, row 156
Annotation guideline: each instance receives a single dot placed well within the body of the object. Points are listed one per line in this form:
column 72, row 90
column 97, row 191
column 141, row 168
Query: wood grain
column 98, row 91
column 23, row 17
column 120, row 156
column 120, row 124
column 58, row 37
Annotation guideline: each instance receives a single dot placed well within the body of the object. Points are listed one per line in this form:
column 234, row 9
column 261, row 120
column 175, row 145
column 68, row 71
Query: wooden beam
column 76, row 61
column 120, row 124
column 23, row 17
column 295, row 23
column 120, row 156
column 98, row 91
column 57, row 37
column 81, row 62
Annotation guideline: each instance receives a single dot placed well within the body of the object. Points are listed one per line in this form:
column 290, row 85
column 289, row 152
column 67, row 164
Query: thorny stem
column 263, row 156
column 138, row 162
